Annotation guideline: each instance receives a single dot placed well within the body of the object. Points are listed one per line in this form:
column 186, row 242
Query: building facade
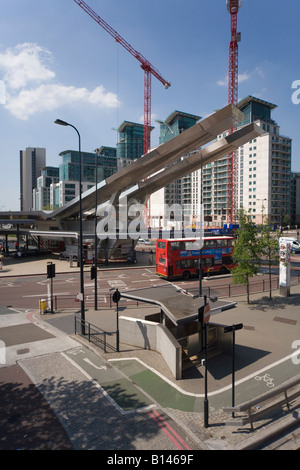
column 130, row 143
column 295, row 197
column 57, row 186
column 32, row 161
column 263, row 172
column 41, row 194
column 177, row 195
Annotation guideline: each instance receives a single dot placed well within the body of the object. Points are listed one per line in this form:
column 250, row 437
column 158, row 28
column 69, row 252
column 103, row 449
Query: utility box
column 43, row 306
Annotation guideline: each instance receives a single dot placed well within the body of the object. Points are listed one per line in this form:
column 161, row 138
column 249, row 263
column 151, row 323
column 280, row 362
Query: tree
column 246, row 252
column 268, row 247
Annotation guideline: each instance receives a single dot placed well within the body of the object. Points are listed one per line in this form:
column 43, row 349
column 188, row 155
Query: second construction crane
column 145, row 65
column 233, row 7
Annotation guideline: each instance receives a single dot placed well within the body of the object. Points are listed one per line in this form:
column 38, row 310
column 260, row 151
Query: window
column 161, row 245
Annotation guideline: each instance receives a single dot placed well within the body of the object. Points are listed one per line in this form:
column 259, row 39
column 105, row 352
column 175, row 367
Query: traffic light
column 50, row 270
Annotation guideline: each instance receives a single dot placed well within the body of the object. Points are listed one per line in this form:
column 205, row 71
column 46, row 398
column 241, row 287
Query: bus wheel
column 223, row 270
column 186, row 275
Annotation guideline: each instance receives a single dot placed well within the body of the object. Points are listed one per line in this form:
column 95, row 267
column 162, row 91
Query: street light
column 95, row 234
column 203, row 318
column 64, row 123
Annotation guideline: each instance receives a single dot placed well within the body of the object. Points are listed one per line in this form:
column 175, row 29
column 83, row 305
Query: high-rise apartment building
column 32, row 161
column 130, row 144
column 263, row 171
column 95, row 168
column 41, row 194
column 178, row 192
column 295, row 198
column 57, row 186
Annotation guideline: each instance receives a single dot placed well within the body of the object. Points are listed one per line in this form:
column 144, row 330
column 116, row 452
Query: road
column 26, row 291
column 23, row 294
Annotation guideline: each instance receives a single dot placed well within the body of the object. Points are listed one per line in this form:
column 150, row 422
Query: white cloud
column 25, row 67
column 222, row 82
column 50, row 97
column 24, row 64
column 242, row 78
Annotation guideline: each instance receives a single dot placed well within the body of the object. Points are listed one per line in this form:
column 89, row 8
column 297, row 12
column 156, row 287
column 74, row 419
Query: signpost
column 229, row 329
column 284, row 267
column 116, row 297
column 51, row 275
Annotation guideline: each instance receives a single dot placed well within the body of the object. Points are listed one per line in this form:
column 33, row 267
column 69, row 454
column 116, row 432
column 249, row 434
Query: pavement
column 85, row 390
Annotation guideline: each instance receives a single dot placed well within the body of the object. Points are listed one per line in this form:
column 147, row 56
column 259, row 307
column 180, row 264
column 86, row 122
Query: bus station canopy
column 178, row 306
column 159, row 158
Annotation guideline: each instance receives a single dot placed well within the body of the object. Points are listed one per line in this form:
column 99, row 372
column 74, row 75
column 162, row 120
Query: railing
column 97, row 336
column 251, row 407
column 61, row 302
column 105, row 300
column 234, row 290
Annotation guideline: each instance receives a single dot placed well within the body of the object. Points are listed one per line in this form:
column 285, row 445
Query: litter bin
column 42, row 306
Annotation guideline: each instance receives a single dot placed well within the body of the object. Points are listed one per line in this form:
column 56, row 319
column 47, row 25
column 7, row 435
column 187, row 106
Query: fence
column 229, row 290
column 251, row 407
column 95, row 335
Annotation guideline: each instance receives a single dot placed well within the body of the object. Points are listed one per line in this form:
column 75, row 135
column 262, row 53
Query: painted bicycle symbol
column 266, row 378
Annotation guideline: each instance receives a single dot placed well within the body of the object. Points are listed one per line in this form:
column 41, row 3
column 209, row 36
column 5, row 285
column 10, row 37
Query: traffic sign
column 206, row 313
column 116, row 296
column 228, row 329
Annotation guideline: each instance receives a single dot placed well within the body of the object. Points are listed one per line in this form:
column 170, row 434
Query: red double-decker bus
column 180, row 258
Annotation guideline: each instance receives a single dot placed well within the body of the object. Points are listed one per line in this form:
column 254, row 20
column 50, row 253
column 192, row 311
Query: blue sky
column 57, row 62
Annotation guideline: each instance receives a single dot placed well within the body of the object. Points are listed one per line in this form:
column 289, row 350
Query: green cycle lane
column 132, row 386
column 124, row 394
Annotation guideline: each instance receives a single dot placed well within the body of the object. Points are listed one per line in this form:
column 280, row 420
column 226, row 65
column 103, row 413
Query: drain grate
column 23, row 351
column 285, row 320
column 15, row 418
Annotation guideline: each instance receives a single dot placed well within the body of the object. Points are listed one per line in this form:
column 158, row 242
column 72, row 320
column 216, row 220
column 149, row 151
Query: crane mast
column 233, row 7
column 148, row 68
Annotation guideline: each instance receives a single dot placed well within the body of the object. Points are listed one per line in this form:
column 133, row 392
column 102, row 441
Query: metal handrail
column 94, row 334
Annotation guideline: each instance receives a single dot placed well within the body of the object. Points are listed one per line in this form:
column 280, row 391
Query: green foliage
column 268, row 246
column 246, row 251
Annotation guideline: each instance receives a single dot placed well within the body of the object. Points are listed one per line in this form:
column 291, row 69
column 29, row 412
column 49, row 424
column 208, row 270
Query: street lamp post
column 95, row 235
column 63, row 123
column 200, row 231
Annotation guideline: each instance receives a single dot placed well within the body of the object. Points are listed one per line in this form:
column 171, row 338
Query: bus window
column 208, row 262
column 185, row 263
column 221, row 243
column 208, row 243
column 177, row 246
column 192, row 245
column 161, row 245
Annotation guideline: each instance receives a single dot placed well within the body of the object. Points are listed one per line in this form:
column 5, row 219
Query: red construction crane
column 233, row 7
column 145, row 65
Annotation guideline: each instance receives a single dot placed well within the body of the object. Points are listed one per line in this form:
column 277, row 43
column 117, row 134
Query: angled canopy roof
column 179, row 307
column 191, row 139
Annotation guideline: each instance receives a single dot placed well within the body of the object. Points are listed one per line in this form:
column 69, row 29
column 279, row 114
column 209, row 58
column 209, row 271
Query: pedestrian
column 19, row 256
column 151, row 257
